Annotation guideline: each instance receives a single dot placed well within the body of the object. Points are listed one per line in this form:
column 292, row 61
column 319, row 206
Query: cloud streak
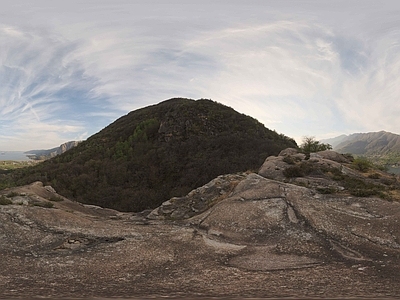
column 43, row 89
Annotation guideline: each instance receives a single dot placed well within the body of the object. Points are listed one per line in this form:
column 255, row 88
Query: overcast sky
column 316, row 68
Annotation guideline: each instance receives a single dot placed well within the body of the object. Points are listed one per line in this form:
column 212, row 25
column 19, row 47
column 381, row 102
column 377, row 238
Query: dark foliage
column 356, row 186
column 158, row 152
column 5, row 201
column 302, row 169
column 326, row 190
column 361, row 188
column 290, row 160
column 361, row 164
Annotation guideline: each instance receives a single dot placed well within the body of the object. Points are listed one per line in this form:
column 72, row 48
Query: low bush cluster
column 304, row 168
column 12, row 194
column 374, row 176
column 45, row 204
column 56, row 198
column 361, row 164
column 5, row 201
column 289, row 160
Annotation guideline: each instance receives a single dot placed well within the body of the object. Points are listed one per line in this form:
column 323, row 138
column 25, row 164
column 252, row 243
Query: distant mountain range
column 49, row 153
column 382, row 147
column 371, row 143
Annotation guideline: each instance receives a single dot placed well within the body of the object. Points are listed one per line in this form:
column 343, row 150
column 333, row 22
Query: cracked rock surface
column 241, row 235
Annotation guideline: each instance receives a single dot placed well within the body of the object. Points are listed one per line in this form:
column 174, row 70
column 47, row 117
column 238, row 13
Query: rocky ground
column 241, row 235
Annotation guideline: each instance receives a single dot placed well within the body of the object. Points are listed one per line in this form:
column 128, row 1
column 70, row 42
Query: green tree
column 310, row 144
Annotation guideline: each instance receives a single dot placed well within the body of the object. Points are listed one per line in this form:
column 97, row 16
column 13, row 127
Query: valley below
column 243, row 235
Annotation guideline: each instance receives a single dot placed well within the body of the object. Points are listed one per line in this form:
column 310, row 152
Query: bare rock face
column 273, row 168
column 332, row 155
column 66, row 146
column 239, row 235
column 198, row 200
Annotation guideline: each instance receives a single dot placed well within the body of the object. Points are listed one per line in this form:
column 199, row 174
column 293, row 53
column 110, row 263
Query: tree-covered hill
column 158, row 152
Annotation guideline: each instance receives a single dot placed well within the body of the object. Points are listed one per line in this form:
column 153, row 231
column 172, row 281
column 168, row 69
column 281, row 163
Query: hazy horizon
column 315, row 68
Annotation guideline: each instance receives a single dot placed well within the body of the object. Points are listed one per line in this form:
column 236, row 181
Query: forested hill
column 158, row 152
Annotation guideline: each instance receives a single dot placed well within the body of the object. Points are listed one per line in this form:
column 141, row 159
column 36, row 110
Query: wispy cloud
column 43, row 90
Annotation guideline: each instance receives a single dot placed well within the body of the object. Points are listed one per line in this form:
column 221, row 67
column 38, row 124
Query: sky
column 303, row 68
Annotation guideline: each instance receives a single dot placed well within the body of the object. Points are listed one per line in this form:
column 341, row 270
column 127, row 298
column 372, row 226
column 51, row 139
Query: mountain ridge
column 368, row 143
column 49, row 153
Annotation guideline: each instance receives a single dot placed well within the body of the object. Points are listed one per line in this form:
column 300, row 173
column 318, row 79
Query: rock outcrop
column 241, row 234
column 198, row 200
column 46, row 154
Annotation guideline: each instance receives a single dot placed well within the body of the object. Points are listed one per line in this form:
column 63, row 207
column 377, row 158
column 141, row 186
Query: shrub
column 289, row 160
column 5, row 201
column 294, row 171
column 56, row 198
column 12, row 194
column 334, row 173
column 348, row 156
column 364, row 192
column 388, row 181
column 374, row 176
column 46, row 204
column 326, row 190
column 302, row 169
column 382, row 167
column 361, row 164
column 360, row 188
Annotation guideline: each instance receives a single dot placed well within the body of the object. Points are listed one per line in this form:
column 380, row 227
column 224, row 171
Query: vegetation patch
column 388, row 181
column 45, row 204
column 361, row 164
column 55, row 198
column 12, row 194
column 290, row 160
column 373, row 184
column 304, row 168
column 5, row 201
column 7, row 165
column 374, row 176
column 293, row 171
column 326, row 190
column 361, row 188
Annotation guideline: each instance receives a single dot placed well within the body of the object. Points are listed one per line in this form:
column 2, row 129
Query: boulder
column 288, row 151
column 332, row 155
column 273, row 168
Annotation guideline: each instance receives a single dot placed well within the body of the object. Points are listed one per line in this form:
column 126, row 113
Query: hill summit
column 158, row 152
